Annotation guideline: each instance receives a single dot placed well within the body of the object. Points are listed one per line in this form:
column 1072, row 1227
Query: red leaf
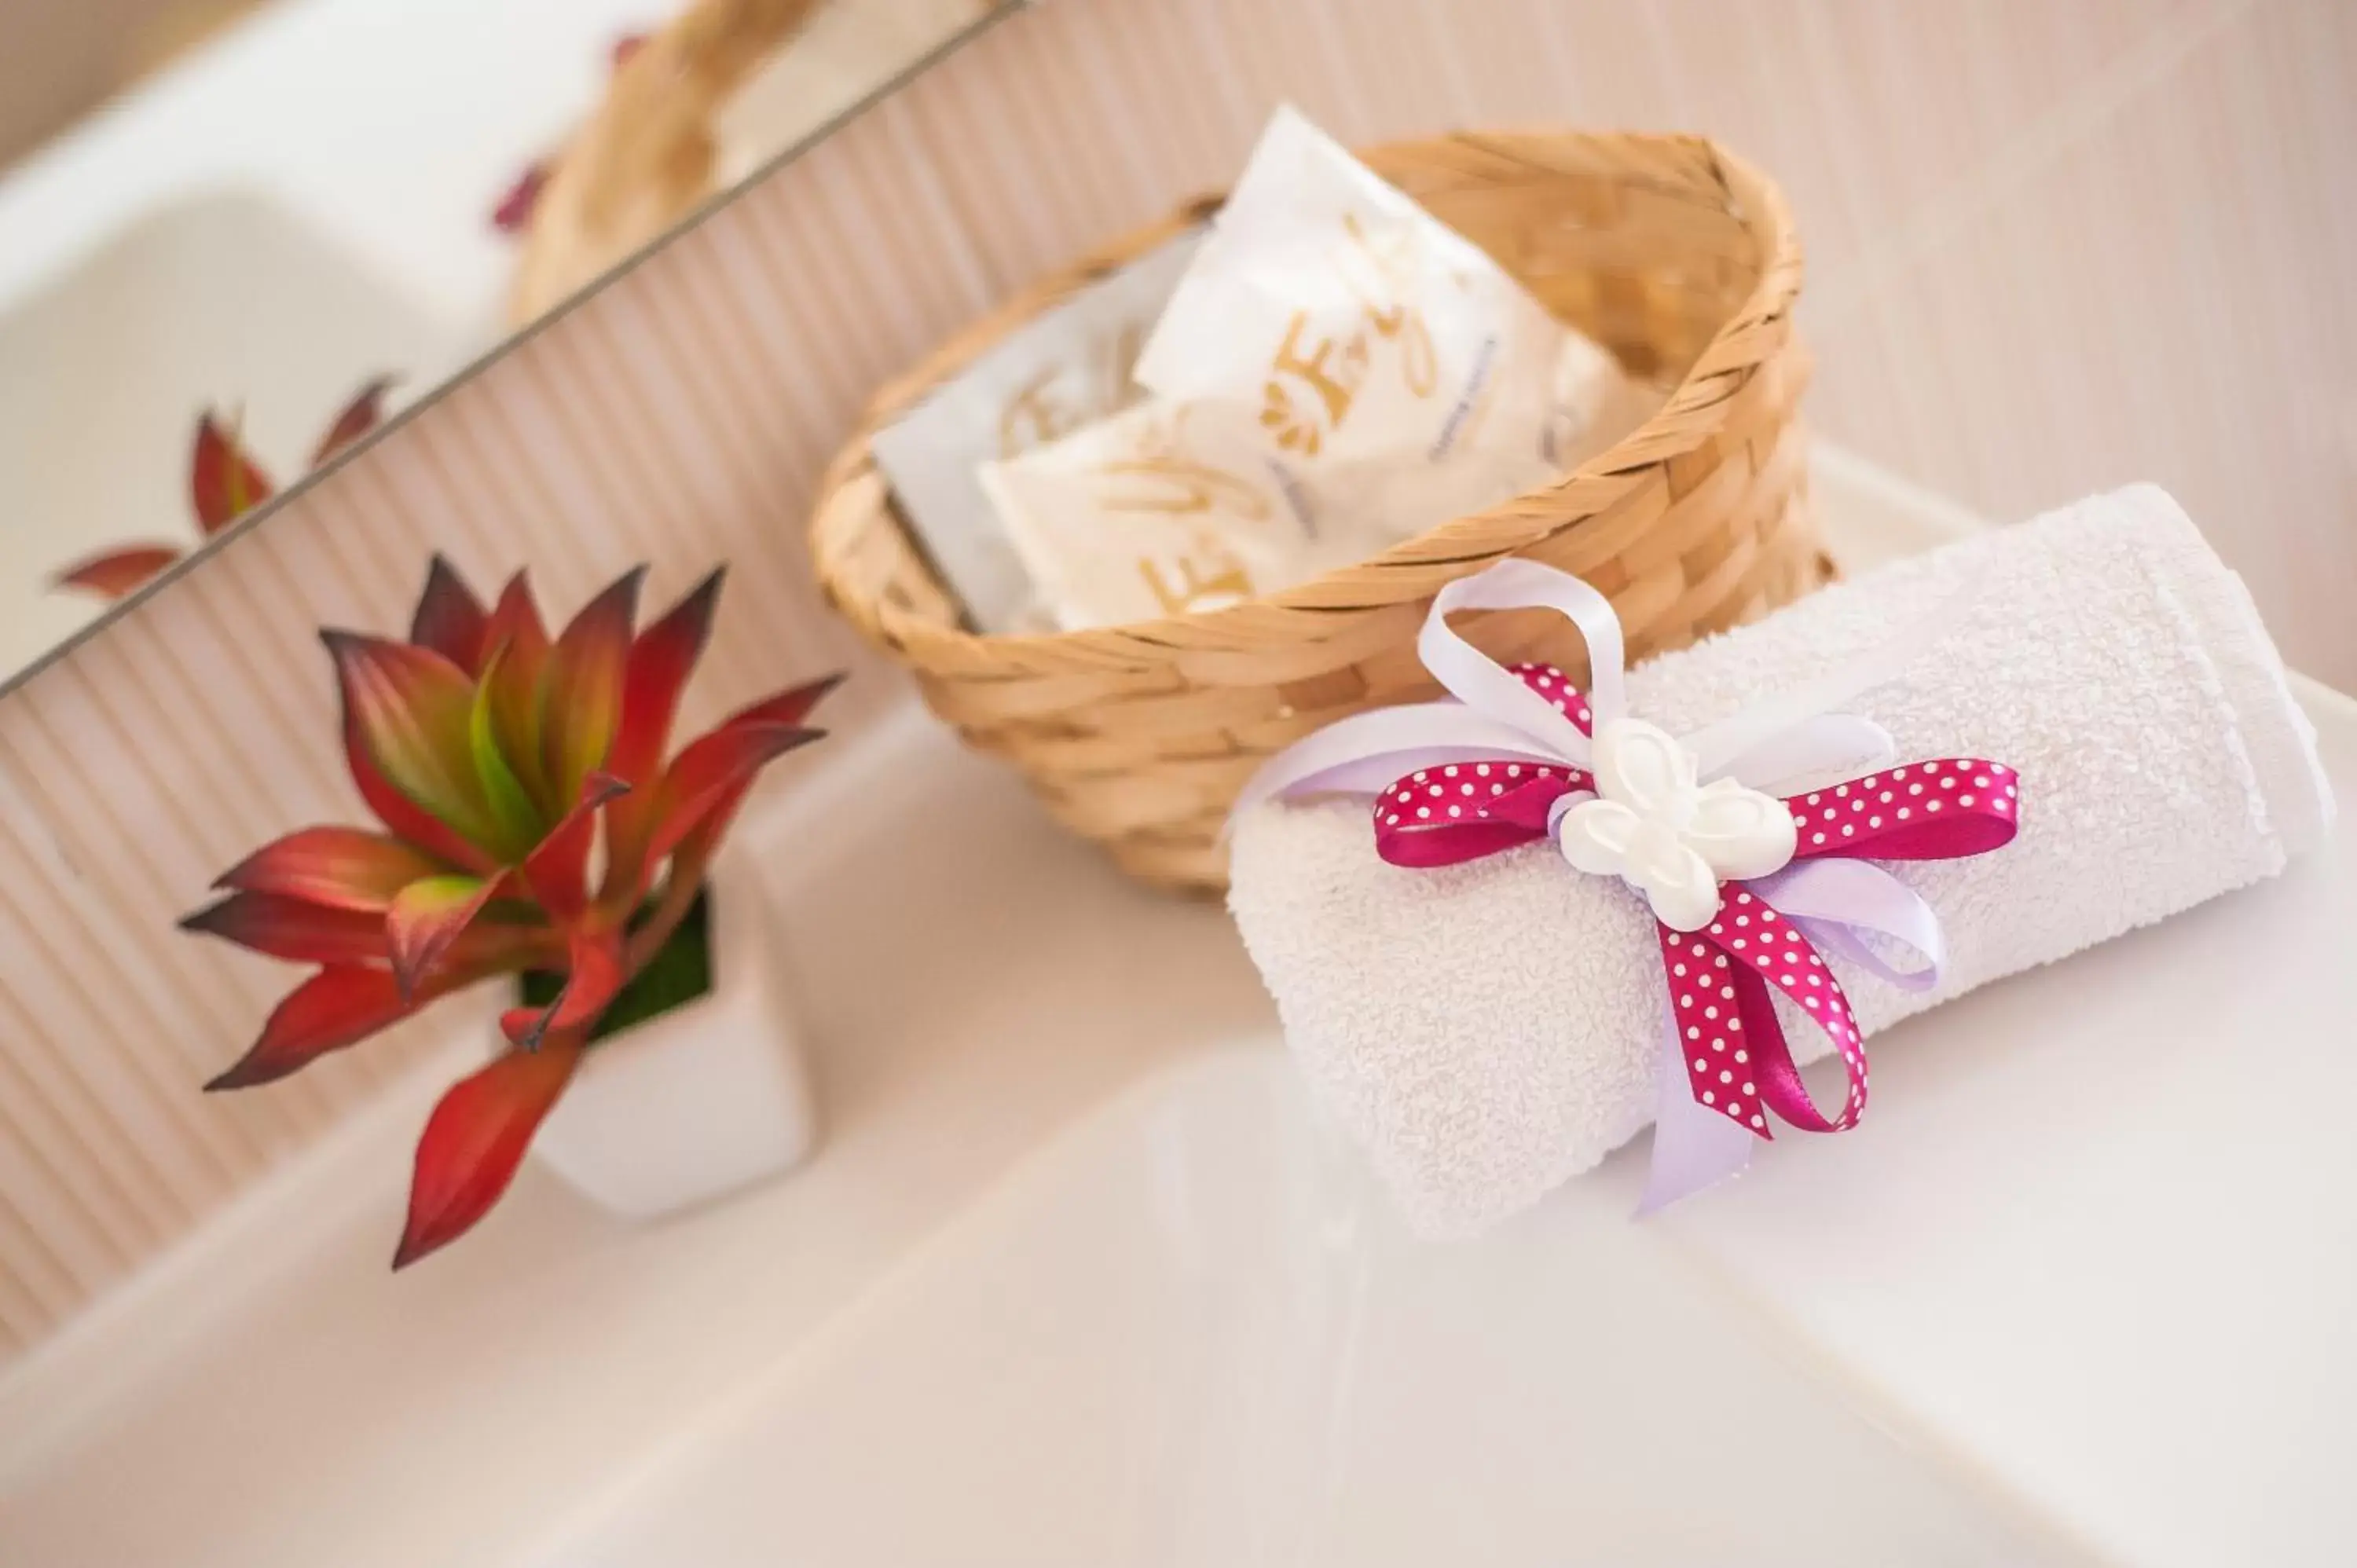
column 338, row 1006
column 428, row 917
column 450, row 620
column 476, row 1139
column 291, row 928
column 661, row 661
column 584, row 685
column 632, row 823
column 345, row 1003
column 516, row 619
column 594, row 975
column 691, row 845
column 412, row 709
column 557, row 870
column 395, row 810
column 519, row 685
column 691, row 856
column 513, row 214
column 787, row 707
column 342, row 868
column 223, row 483
column 355, row 419
column 712, row 772
column 514, row 805
column 116, row 573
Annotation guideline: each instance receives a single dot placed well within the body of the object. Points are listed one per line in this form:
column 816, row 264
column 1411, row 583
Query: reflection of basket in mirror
column 727, row 86
column 1677, row 256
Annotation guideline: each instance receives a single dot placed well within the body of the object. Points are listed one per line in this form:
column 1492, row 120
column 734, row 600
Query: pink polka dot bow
column 1751, row 891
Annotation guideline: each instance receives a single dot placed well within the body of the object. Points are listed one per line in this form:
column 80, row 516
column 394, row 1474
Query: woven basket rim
column 1753, row 200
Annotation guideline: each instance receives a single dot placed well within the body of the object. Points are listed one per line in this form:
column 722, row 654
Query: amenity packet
column 1160, row 511
column 1335, row 372
column 1063, row 369
column 1381, row 352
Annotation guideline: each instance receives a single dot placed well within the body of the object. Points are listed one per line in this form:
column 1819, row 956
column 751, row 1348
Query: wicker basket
column 1678, row 256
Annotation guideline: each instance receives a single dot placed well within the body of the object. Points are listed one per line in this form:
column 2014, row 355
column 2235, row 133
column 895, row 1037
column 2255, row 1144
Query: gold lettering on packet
column 1222, row 580
column 1331, row 370
column 1177, row 486
column 1034, row 415
column 1335, row 369
column 1041, row 409
column 1390, row 317
column 1163, row 477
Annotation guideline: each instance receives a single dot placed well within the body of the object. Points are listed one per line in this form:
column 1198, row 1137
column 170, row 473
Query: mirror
column 235, row 235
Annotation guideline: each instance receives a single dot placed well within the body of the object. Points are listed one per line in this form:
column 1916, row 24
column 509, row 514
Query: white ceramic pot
column 703, row 1100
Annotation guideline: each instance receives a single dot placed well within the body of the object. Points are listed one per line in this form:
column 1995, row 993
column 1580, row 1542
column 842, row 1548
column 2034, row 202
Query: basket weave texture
column 1668, row 250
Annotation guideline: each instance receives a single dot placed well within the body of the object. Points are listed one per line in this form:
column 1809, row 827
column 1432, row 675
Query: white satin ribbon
column 1776, row 745
column 1479, row 682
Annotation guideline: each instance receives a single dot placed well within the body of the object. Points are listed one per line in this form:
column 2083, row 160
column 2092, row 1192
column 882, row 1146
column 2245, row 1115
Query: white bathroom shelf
column 1078, row 1278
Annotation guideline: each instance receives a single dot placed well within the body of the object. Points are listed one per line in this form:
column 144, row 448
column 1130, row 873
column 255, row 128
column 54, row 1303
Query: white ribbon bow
column 1710, row 793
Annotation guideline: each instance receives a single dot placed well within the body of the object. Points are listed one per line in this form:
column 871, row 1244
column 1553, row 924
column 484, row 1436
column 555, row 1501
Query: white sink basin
column 1191, row 1332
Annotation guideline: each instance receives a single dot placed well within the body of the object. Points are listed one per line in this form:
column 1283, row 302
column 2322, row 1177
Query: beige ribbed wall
column 2053, row 245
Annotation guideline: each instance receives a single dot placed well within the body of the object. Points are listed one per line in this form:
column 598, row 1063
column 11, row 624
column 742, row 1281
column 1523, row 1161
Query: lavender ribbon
column 1838, row 903
column 1693, row 1146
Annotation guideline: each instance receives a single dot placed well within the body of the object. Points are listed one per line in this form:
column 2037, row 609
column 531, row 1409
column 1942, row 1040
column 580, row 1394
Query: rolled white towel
column 1487, row 1030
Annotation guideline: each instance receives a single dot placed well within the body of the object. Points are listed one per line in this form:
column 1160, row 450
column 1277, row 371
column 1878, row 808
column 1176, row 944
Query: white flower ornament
column 1671, row 839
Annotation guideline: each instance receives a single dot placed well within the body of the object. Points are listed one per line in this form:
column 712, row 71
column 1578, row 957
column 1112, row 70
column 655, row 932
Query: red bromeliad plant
column 224, row 484
column 498, row 759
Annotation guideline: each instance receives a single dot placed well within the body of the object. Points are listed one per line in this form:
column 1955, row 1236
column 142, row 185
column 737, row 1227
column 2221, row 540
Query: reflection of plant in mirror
column 495, row 756
column 224, row 484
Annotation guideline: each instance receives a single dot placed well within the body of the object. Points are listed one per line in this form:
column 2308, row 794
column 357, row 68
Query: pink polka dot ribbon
column 1723, row 979
column 1441, row 816
column 1462, row 811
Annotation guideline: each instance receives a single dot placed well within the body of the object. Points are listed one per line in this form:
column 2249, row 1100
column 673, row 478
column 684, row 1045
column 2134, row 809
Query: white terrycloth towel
column 1488, row 1029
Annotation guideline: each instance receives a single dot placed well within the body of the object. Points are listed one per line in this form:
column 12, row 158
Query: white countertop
column 2090, row 1247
